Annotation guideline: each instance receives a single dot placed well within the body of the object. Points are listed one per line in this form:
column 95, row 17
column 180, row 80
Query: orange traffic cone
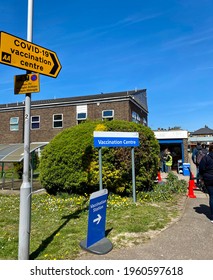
column 193, row 183
column 190, row 189
column 159, row 177
column 192, row 177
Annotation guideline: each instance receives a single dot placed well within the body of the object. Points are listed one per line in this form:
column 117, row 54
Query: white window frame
column 135, row 117
column 55, row 121
column 108, row 117
column 80, row 110
column 35, row 122
column 14, row 125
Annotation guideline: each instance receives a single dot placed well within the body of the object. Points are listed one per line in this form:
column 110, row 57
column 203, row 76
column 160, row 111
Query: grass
column 59, row 223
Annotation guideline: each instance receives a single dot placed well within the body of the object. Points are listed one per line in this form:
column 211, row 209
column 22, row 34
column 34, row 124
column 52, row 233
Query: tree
column 69, row 163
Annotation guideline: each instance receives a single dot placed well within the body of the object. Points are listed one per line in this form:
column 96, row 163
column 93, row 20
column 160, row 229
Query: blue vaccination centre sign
column 115, row 139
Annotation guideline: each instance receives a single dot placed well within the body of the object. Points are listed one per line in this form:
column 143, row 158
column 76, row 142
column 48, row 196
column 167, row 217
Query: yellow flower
column 100, row 127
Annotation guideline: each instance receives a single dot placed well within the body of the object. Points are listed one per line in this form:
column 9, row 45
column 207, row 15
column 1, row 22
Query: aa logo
column 6, row 57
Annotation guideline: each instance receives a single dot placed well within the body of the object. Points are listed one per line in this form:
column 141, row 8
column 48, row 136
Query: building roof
column 138, row 96
column 15, row 152
column 203, row 131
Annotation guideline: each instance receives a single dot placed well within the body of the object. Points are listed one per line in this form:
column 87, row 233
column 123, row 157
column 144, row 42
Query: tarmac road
column 189, row 238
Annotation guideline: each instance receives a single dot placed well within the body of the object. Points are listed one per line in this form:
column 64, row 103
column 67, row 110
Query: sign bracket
column 101, row 247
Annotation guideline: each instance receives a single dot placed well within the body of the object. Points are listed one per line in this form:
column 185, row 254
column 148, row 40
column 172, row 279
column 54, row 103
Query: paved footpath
column 189, row 238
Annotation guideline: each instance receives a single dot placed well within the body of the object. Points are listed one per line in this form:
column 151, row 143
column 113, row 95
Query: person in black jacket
column 194, row 156
column 206, row 174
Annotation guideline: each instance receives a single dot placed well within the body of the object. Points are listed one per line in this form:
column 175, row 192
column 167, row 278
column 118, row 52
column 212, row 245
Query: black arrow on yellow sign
column 55, row 66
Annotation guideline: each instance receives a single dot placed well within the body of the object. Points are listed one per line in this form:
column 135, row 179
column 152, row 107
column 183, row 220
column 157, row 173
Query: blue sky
column 165, row 46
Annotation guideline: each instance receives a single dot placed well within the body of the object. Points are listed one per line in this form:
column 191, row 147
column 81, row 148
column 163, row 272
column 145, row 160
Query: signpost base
column 101, row 247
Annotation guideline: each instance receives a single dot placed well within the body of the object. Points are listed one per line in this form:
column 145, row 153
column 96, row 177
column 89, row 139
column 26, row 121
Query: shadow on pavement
column 203, row 209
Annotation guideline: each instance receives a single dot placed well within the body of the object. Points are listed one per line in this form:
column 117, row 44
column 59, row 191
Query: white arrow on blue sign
column 97, row 217
column 115, row 139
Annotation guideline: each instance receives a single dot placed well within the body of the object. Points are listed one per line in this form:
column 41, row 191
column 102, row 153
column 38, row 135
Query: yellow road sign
column 22, row 54
column 27, row 83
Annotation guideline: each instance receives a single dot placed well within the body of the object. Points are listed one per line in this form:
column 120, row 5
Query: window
column 81, row 116
column 35, row 122
column 81, row 113
column 14, row 124
column 57, row 121
column 135, row 117
column 145, row 121
column 108, row 115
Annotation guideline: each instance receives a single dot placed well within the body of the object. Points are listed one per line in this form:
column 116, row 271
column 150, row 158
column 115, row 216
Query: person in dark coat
column 163, row 157
column 206, row 174
column 197, row 155
column 195, row 152
column 194, row 156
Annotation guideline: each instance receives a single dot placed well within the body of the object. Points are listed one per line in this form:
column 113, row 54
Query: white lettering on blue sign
column 111, row 142
column 119, row 142
column 97, row 206
column 115, row 139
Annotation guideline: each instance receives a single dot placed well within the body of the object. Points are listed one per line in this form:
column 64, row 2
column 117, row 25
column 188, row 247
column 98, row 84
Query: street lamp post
column 25, row 190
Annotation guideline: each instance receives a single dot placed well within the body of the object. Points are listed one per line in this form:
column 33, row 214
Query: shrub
column 69, row 163
column 18, row 167
column 165, row 191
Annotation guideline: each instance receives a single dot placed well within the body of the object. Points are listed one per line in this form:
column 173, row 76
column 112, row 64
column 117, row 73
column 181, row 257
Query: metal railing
column 10, row 181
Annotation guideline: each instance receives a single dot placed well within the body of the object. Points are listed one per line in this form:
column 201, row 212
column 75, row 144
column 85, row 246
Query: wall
column 122, row 111
column 7, row 136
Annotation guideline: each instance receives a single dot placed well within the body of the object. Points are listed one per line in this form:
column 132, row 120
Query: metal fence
column 9, row 181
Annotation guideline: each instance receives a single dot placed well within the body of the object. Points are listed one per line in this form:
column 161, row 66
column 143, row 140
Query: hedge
column 69, row 163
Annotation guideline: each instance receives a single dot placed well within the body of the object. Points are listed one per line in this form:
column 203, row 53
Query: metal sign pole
column 25, row 190
column 133, row 175
column 100, row 169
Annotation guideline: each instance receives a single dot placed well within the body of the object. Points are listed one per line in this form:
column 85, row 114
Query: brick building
column 49, row 117
column 203, row 135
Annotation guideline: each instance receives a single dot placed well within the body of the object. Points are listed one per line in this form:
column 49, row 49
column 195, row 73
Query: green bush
column 18, row 168
column 69, row 163
column 165, row 191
